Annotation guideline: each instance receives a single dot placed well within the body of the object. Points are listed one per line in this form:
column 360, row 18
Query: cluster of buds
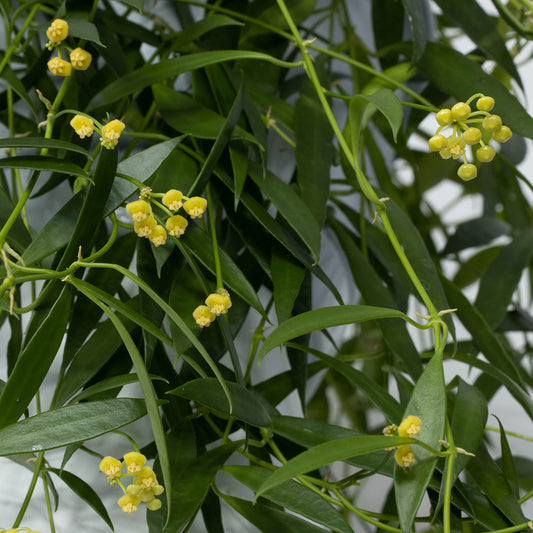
column 144, row 486
column 216, row 304
column 145, row 224
column 464, row 123
column 110, row 132
column 80, row 59
column 410, row 427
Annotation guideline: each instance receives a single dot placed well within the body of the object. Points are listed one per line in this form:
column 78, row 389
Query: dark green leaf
column 417, row 13
column 456, row 74
column 270, row 520
column 507, row 462
column 43, row 163
column 41, row 142
column 84, row 491
column 38, row 354
column 84, row 30
column 324, row 318
column 482, row 29
column 292, row 496
column 428, row 403
column 67, row 425
column 329, row 452
column 495, row 290
column 165, row 69
column 247, row 405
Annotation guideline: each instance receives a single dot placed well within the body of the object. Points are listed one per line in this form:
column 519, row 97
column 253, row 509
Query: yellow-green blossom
column 83, row 126
column 59, row 67
column 110, row 133
column 80, row 59
column 57, row 31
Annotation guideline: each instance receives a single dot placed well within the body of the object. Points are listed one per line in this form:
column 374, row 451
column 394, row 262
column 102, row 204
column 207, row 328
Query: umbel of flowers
column 410, row 427
column 469, row 128
column 145, row 223
column 144, row 486
column 80, row 59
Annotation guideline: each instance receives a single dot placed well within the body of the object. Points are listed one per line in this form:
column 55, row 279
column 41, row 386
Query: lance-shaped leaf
column 293, row 496
column 247, row 405
column 41, row 142
column 323, row 318
column 34, row 361
column 329, row 452
column 68, row 425
column 428, row 403
column 44, row 164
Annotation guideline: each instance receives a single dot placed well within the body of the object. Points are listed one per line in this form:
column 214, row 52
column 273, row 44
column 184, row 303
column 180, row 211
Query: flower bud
column 444, row 117
column 80, row 59
column 461, row 111
column 467, row 172
column 502, row 134
column 59, row 67
column 485, row 103
column 57, row 31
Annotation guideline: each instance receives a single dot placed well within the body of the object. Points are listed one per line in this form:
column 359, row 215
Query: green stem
column 212, row 227
column 48, row 504
column 18, row 38
column 31, row 488
column 446, row 510
column 363, row 515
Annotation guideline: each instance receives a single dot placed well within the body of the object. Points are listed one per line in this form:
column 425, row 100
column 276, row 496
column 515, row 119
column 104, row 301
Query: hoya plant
column 265, row 265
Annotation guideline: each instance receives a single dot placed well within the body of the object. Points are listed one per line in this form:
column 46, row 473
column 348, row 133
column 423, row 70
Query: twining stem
column 34, row 177
column 48, row 504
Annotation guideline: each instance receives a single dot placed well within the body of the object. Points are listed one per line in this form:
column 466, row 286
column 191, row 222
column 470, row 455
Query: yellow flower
column 195, row 206
column 404, row 456
column 59, row 67
column 456, row 146
column 111, row 467
column 203, row 316
column 410, row 427
column 172, row 199
column 80, row 59
column 134, row 461
column 146, row 478
column 83, row 126
column 138, row 210
column 129, row 503
column 158, row 236
column 219, row 302
column 110, row 133
column 176, row 225
column 502, row 134
column 145, row 227
column 57, row 31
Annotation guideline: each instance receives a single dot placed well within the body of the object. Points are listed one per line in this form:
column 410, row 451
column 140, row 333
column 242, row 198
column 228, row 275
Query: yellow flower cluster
column 464, row 123
column 410, row 427
column 144, row 486
column 145, row 225
column 216, row 304
column 80, row 59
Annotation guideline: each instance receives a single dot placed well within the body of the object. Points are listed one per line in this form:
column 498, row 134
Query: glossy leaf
column 428, row 403
column 321, row 319
column 329, row 452
column 84, row 491
column 84, row 30
column 37, row 354
column 68, row 425
column 167, row 68
column 495, row 290
column 292, row 496
column 41, row 142
column 43, row 164
column 416, row 11
column 270, row 520
column 246, row 405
